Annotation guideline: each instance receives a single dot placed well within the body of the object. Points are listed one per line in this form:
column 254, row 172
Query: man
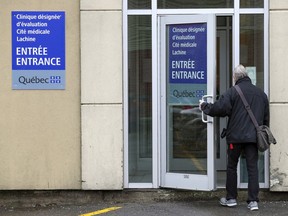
column 240, row 133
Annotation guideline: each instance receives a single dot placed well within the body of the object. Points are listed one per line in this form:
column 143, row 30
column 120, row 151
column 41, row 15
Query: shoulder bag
column 264, row 134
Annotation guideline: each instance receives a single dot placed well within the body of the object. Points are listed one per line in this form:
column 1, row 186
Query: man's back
column 240, row 128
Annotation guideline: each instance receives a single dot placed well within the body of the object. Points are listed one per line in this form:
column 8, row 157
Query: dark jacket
column 240, row 128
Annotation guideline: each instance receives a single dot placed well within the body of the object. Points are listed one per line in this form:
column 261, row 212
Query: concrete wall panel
column 102, row 149
column 278, row 4
column 278, row 57
column 101, row 57
column 101, row 4
column 40, row 129
column 279, row 152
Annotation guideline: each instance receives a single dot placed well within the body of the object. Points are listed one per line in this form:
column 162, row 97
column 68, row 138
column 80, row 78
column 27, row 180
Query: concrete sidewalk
column 134, row 203
column 72, row 197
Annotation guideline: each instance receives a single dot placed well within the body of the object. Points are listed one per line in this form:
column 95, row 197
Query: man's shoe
column 229, row 203
column 253, row 206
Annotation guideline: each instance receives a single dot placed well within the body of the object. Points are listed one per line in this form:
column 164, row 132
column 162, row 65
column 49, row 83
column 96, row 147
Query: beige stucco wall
column 101, row 94
column 101, row 5
column 40, row 129
column 278, row 94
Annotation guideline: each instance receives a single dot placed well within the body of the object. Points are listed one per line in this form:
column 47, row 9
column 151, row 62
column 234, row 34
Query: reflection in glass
column 187, row 140
column 140, row 99
column 251, row 4
column 139, row 4
column 177, row 4
column 252, row 47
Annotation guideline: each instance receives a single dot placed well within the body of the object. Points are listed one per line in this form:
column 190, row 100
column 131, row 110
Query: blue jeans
column 251, row 153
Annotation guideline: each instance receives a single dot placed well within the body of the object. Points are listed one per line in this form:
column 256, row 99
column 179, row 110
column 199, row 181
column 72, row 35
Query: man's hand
column 200, row 104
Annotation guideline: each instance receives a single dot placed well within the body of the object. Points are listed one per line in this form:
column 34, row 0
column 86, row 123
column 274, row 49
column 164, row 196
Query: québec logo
column 55, row 79
column 38, row 80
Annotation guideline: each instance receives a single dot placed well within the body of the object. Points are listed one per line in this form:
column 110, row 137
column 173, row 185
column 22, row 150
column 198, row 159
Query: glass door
column 187, row 74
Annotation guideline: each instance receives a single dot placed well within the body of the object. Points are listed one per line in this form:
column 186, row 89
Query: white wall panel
column 102, row 147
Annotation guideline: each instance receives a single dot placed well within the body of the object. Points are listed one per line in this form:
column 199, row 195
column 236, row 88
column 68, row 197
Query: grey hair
column 239, row 72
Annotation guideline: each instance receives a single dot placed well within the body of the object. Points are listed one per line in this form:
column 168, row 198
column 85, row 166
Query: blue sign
column 188, row 53
column 38, row 50
column 187, row 62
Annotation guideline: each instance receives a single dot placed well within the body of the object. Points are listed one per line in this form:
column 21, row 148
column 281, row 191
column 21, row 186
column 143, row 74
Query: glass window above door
column 136, row 4
column 177, row 4
column 170, row 4
column 251, row 4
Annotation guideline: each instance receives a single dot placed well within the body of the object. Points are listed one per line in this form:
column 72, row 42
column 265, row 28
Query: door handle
column 205, row 97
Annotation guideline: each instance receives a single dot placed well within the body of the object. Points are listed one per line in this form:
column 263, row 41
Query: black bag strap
column 247, row 107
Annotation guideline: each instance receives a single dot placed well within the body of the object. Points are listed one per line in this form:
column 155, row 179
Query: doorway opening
column 223, row 82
